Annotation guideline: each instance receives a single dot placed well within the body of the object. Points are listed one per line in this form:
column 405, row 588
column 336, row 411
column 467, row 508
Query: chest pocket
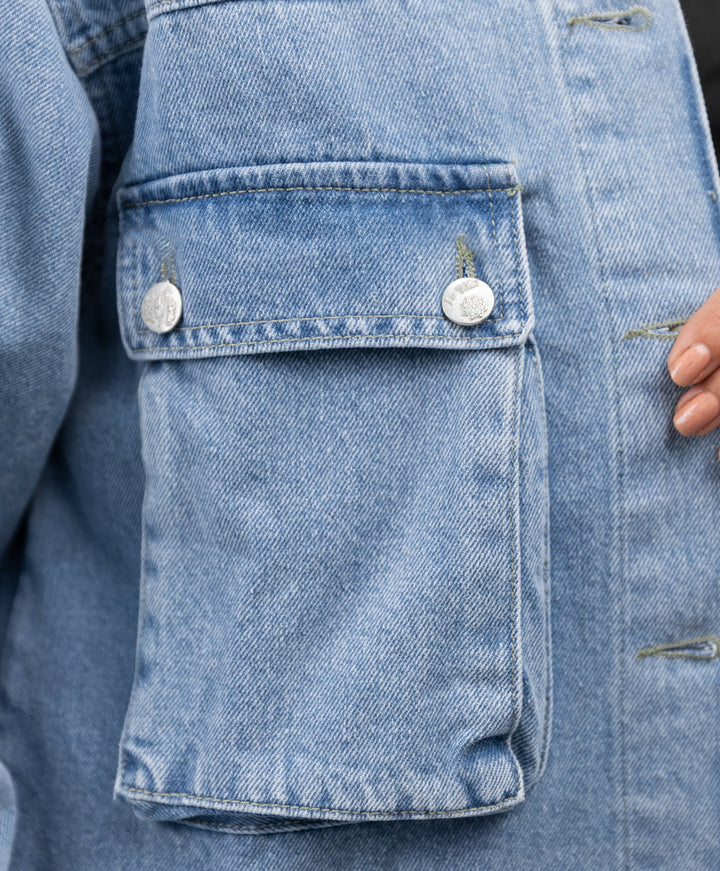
column 344, row 609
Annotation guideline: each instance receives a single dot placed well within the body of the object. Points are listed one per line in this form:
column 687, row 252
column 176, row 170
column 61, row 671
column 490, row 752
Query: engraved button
column 467, row 301
column 162, row 307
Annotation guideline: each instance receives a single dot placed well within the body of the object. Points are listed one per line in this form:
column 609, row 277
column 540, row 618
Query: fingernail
column 696, row 414
column 687, row 396
column 690, row 364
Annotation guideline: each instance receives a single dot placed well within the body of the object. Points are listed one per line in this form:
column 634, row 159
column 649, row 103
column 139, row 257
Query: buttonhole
column 165, row 273
column 663, row 330
column 464, row 260
column 705, row 647
column 636, row 18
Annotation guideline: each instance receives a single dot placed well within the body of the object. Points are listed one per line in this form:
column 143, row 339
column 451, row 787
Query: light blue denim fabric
column 281, row 579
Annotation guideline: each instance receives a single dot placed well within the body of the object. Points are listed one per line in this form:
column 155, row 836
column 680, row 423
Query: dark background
column 703, row 23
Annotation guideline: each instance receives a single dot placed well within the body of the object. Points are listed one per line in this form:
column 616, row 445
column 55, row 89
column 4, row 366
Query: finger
column 697, row 410
column 714, row 424
column 696, row 350
column 686, row 397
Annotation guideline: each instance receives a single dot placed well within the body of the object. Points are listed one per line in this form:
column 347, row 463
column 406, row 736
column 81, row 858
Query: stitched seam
column 98, row 60
column 331, row 338
column 546, row 563
column 106, row 31
column 652, row 336
column 618, row 435
column 279, row 824
column 510, row 191
column 492, row 219
column 492, row 212
column 314, row 318
column 321, row 809
column 548, row 623
column 138, row 642
column 516, row 675
column 513, row 573
column 59, row 21
column 166, row 3
column 517, row 255
column 513, row 570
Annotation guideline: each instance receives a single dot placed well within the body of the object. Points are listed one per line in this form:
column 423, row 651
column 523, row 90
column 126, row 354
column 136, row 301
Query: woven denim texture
column 281, row 572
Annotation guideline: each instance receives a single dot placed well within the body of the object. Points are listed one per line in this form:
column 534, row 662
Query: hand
column 694, row 360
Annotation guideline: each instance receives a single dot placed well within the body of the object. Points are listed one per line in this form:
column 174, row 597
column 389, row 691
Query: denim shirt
column 323, row 325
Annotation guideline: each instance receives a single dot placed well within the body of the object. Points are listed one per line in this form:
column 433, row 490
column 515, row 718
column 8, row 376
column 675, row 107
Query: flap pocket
column 344, row 555
column 327, row 255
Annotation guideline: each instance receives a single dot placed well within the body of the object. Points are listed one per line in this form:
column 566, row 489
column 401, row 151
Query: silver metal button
column 162, row 307
column 467, row 301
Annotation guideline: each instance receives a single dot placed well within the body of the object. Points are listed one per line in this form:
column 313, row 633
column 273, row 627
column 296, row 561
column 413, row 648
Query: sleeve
column 48, row 171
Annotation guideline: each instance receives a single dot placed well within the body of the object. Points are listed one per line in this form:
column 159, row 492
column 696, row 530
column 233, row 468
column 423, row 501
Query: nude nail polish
column 698, row 412
column 690, row 364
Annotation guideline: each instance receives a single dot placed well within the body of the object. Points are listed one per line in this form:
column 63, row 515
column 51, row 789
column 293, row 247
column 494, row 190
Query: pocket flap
column 312, row 255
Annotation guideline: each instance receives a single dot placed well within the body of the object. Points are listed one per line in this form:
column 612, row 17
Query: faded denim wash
column 279, row 582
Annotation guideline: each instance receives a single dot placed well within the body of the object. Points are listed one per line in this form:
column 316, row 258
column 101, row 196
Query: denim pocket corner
column 344, row 606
